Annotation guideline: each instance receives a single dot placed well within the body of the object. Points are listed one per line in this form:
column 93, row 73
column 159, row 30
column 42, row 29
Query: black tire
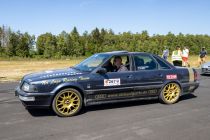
column 68, row 102
column 170, row 93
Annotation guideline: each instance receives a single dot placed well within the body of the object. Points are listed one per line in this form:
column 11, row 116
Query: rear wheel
column 67, row 102
column 170, row 93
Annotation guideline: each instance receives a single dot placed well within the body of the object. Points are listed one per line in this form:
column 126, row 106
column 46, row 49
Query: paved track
column 189, row 119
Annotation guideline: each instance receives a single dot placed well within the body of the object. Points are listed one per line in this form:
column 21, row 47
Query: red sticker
column 172, row 76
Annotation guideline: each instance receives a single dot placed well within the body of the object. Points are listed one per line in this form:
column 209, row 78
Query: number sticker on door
column 111, row 82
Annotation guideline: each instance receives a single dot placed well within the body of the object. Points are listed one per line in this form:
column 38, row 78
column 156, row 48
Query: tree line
column 73, row 44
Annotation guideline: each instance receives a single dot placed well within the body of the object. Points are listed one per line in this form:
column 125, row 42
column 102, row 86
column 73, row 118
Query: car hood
column 52, row 74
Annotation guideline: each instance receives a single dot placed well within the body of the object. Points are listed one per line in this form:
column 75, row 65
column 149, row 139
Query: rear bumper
column 34, row 100
column 190, row 87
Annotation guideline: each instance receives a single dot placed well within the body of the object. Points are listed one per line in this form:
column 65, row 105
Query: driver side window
column 118, row 63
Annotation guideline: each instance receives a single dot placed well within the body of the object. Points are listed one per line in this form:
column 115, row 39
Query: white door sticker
column 111, row 82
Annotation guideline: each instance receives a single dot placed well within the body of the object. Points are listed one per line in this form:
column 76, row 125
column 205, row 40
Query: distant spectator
column 202, row 56
column 185, row 56
column 177, row 57
column 165, row 53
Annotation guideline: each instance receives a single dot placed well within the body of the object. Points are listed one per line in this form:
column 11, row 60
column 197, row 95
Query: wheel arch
column 69, row 85
column 172, row 81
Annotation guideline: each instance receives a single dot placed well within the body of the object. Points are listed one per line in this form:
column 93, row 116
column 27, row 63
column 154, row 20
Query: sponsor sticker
column 111, row 82
column 171, row 76
column 127, row 94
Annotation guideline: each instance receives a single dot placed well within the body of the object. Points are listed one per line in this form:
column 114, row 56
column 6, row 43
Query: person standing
column 202, row 56
column 185, row 56
column 177, row 57
column 165, row 53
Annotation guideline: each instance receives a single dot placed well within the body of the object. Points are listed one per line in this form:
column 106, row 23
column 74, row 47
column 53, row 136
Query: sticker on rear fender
column 171, row 76
column 111, row 82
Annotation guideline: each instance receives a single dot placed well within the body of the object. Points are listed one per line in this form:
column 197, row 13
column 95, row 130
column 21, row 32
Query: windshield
column 92, row 62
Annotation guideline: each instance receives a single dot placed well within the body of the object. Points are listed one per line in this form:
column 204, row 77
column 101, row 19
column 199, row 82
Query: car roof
column 123, row 52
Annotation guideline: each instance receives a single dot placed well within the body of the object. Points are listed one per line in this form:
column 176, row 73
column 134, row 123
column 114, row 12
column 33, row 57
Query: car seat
column 139, row 62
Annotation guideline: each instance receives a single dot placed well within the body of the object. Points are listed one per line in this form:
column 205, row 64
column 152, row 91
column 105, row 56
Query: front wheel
column 67, row 102
column 170, row 93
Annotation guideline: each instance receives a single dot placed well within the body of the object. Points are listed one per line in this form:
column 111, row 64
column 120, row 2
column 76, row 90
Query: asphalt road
column 189, row 119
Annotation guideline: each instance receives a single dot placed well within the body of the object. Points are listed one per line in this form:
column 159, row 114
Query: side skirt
column 120, row 100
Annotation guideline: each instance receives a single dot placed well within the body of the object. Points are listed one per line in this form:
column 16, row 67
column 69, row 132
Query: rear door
column 148, row 78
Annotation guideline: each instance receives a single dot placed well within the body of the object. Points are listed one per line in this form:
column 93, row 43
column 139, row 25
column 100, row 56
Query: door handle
column 160, row 75
column 129, row 76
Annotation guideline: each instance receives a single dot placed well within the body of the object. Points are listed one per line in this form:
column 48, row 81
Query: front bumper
column 34, row 100
column 205, row 70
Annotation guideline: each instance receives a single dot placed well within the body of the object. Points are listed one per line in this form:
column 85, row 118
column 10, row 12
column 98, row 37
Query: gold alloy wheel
column 67, row 102
column 171, row 93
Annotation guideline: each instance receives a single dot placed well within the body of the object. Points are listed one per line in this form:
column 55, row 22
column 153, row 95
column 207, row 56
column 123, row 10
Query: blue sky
column 155, row 16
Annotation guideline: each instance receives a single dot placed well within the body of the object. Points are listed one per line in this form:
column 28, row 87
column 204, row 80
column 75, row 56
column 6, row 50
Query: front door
column 115, row 83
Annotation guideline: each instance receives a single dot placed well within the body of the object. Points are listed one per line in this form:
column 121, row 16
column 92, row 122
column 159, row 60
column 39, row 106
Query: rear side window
column 161, row 63
column 144, row 62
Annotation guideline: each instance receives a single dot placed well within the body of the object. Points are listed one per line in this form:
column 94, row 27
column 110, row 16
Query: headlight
column 28, row 88
column 25, row 87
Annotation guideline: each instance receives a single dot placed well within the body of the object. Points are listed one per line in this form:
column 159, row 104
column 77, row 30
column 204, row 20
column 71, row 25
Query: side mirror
column 101, row 71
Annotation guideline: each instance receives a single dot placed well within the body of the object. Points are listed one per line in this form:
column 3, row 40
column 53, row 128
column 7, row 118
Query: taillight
column 195, row 75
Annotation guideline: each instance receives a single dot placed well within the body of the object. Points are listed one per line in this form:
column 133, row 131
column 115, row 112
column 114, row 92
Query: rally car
column 96, row 81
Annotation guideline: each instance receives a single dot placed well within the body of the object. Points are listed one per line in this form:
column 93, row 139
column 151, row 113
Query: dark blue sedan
column 107, row 78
